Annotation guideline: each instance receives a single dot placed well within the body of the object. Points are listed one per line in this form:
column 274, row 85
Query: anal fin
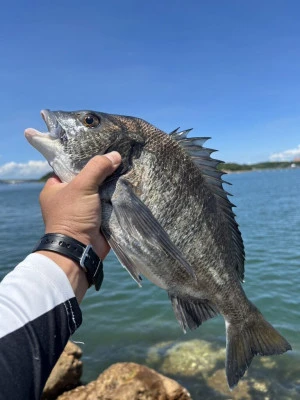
column 191, row 314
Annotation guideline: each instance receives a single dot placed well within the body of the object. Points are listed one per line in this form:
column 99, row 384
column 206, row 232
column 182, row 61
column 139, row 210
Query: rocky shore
column 121, row 381
column 194, row 365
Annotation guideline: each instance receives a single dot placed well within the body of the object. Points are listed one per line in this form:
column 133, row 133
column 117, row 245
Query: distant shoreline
column 262, row 166
column 257, row 170
column 18, row 181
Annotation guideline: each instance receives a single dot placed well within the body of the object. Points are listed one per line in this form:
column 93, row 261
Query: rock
column 188, row 359
column 129, row 381
column 66, row 373
column 87, row 392
column 268, row 362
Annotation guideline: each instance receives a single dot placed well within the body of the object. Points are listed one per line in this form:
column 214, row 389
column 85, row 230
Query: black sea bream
column 167, row 217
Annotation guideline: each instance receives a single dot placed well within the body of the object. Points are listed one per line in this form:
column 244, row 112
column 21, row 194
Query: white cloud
column 29, row 170
column 286, row 155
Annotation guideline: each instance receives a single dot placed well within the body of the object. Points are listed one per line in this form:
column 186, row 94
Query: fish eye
column 91, row 120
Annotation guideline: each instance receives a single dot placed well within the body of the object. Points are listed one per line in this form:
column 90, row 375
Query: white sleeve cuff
column 33, row 288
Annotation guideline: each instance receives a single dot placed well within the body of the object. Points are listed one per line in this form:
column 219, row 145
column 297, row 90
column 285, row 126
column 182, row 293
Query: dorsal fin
column 183, row 134
column 213, row 177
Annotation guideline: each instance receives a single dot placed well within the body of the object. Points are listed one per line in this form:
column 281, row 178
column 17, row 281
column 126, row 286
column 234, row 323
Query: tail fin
column 256, row 336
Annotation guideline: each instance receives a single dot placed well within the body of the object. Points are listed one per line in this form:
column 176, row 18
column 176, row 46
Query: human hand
column 74, row 209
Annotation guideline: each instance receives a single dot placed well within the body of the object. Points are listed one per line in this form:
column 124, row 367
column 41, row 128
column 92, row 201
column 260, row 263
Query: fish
column 167, row 217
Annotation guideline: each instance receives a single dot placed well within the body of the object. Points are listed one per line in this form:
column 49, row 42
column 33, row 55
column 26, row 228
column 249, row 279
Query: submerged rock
column 129, row 381
column 218, row 382
column 66, row 373
column 200, row 366
column 188, row 358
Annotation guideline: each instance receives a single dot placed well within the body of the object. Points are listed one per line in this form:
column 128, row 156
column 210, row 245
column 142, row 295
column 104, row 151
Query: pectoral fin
column 129, row 264
column 148, row 240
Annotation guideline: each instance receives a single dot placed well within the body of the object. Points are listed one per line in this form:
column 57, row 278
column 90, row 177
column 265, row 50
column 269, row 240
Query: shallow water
column 124, row 323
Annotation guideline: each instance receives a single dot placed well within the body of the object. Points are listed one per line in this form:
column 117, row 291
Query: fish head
column 74, row 137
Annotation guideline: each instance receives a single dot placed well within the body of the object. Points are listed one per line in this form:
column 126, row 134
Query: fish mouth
column 55, row 132
column 54, row 127
column 49, row 144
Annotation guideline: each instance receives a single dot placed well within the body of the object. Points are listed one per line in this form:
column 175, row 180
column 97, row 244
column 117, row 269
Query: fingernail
column 114, row 157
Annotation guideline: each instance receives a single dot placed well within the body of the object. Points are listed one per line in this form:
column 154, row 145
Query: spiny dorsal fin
column 213, row 177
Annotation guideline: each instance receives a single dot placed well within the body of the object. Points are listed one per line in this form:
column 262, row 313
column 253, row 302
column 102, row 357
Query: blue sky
column 229, row 69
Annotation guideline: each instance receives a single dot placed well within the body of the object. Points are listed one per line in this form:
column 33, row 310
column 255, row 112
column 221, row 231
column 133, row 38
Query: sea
column 125, row 323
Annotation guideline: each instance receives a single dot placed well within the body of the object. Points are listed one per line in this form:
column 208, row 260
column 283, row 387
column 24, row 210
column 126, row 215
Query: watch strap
column 77, row 251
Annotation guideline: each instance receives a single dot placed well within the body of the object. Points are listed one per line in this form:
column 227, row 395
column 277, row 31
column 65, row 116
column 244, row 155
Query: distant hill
column 47, row 176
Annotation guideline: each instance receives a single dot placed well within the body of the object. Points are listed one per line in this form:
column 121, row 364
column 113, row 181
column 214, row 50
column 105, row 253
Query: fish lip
column 54, row 127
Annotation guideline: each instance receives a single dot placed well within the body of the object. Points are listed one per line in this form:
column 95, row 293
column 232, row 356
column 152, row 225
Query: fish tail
column 254, row 337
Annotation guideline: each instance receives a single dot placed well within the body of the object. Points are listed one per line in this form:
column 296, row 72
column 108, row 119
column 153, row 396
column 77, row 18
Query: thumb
column 96, row 171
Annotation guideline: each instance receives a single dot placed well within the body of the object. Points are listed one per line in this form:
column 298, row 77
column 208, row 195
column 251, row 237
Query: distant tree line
column 47, row 176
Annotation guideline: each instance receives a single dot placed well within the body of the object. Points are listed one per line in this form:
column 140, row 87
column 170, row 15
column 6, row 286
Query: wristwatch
column 77, row 251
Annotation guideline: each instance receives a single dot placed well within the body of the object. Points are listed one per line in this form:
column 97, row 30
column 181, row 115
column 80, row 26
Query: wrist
column 75, row 258
column 81, row 237
column 98, row 242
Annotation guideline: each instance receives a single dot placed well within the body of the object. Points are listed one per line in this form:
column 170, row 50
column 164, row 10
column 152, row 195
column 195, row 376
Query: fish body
column 167, row 217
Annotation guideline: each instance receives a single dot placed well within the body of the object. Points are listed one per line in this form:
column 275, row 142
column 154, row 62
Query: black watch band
column 77, row 251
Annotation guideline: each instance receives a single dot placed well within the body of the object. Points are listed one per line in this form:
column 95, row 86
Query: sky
column 228, row 69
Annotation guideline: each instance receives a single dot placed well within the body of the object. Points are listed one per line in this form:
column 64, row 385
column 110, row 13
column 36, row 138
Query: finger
column 97, row 170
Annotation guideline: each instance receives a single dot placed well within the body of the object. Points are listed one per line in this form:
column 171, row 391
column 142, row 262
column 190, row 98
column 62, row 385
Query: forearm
column 73, row 271
column 39, row 312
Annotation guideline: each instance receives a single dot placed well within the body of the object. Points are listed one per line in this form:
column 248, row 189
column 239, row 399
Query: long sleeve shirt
column 38, row 314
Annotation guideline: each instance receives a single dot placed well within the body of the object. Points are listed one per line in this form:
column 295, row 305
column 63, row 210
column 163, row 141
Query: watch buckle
column 85, row 254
